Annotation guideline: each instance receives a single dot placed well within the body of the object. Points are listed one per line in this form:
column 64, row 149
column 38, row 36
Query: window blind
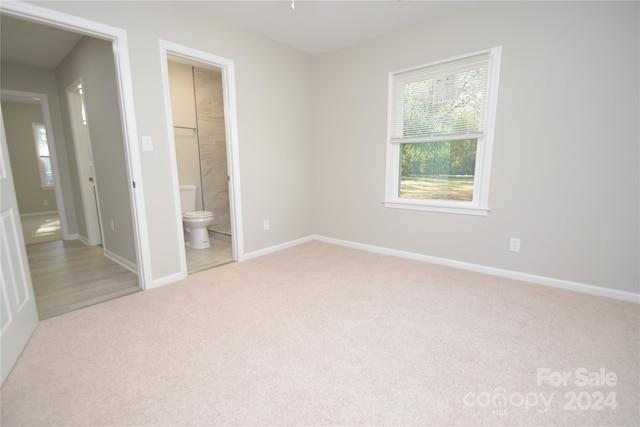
column 447, row 99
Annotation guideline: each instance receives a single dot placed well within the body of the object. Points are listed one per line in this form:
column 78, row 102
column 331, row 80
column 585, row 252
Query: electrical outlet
column 514, row 245
column 266, row 225
column 45, row 202
column 112, row 225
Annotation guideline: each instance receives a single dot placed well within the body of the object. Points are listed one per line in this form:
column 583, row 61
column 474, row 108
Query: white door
column 18, row 312
column 82, row 144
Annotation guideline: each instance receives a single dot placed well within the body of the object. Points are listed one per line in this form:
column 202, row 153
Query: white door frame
column 118, row 38
column 84, row 153
column 43, row 100
column 197, row 57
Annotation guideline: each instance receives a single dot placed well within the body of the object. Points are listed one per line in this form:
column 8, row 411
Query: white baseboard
column 275, row 248
column 516, row 275
column 32, row 214
column 525, row 277
column 123, row 262
column 156, row 283
column 74, row 236
column 241, row 257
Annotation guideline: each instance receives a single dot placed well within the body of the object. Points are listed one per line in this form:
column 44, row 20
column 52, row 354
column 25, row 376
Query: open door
column 18, row 312
column 84, row 159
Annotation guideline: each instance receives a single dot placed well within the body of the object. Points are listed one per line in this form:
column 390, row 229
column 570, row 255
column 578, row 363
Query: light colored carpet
column 41, row 228
column 325, row 335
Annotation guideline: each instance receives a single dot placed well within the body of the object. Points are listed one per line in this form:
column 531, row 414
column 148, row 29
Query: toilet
column 195, row 222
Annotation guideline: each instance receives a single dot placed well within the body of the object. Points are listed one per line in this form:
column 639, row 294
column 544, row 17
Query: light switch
column 147, row 143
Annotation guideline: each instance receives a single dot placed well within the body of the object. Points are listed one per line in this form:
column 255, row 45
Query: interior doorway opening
column 197, row 106
column 70, row 119
column 200, row 107
column 44, row 218
column 84, row 163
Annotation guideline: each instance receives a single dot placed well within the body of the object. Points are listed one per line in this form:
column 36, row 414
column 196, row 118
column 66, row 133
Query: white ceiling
column 24, row 42
column 314, row 27
column 320, row 26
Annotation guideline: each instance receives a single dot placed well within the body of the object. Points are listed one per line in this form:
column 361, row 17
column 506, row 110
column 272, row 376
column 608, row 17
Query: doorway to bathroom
column 203, row 142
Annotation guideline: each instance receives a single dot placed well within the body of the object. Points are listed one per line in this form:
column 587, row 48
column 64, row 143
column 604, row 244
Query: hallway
column 40, row 228
column 68, row 275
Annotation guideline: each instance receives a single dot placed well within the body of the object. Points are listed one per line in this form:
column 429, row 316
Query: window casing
column 440, row 134
column 44, row 158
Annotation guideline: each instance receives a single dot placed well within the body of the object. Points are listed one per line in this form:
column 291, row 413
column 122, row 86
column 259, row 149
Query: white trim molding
column 118, row 38
column 250, row 255
column 156, row 283
column 516, row 275
column 276, row 248
column 32, row 214
column 132, row 267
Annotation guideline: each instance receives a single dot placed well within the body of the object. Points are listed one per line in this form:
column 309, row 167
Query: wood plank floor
column 40, row 228
column 68, row 275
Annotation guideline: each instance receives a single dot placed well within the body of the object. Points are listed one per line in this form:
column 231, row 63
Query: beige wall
column 312, row 135
column 40, row 80
column 565, row 166
column 274, row 124
column 18, row 119
column 92, row 59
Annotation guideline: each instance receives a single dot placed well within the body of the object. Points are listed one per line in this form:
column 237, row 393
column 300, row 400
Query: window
column 42, row 151
column 440, row 134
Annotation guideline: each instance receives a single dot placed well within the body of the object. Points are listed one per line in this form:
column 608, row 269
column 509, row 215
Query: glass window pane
column 47, row 170
column 44, row 149
column 447, row 105
column 442, row 170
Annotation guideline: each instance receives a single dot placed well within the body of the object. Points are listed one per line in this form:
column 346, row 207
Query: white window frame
column 44, row 182
column 484, row 149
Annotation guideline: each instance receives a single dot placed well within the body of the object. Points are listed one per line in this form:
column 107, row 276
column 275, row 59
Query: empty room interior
column 320, row 213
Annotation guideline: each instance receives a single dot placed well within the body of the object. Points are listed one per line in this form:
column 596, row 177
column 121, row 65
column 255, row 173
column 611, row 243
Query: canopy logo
column 592, row 392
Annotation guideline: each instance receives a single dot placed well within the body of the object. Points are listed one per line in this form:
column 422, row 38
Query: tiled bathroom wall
column 212, row 141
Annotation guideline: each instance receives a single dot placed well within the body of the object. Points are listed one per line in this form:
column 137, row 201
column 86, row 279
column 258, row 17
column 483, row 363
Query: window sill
column 432, row 207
